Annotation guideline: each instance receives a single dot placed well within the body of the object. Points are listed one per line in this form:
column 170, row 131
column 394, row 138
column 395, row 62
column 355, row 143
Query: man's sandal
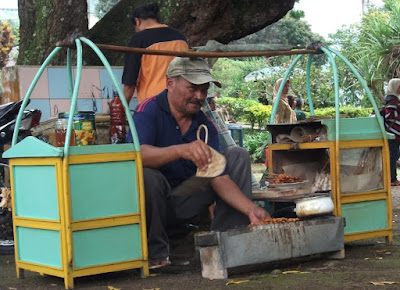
column 158, row 263
column 395, row 183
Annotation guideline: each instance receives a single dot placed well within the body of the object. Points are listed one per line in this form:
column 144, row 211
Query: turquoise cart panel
column 354, row 129
column 33, row 147
column 365, row 216
column 92, row 187
column 39, row 246
column 106, row 245
column 99, row 149
column 35, row 189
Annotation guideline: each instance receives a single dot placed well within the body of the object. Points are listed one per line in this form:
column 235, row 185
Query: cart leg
column 20, row 273
column 144, row 271
column 211, row 263
column 337, row 255
column 69, row 282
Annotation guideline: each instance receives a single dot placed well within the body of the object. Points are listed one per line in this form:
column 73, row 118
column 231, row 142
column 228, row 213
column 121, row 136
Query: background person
column 284, row 113
column 167, row 125
column 263, row 100
column 146, row 73
column 212, row 103
column 291, row 100
column 300, row 115
column 392, row 125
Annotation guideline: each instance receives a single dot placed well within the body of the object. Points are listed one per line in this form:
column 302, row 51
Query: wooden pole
column 206, row 54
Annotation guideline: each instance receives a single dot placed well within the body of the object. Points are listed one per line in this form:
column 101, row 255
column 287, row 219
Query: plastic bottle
column 117, row 121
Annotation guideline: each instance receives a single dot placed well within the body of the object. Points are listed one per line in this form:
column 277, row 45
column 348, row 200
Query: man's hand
column 258, row 215
column 198, row 152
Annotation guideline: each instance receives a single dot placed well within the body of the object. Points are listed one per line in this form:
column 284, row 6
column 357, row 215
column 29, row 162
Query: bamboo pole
column 207, row 54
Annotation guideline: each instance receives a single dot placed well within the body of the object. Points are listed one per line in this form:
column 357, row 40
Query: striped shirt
column 392, row 117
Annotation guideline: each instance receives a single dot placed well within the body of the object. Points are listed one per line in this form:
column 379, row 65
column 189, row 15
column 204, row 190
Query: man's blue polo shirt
column 156, row 126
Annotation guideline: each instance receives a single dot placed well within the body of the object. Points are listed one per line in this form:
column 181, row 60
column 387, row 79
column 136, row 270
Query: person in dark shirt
column 146, row 73
column 167, row 127
column 300, row 115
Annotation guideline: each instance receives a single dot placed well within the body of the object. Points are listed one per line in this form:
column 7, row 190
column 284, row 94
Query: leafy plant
column 103, row 6
column 258, row 113
column 373, row 48
column 256, row 142
column 6, row 42
column 236, row 106
column 349, row 111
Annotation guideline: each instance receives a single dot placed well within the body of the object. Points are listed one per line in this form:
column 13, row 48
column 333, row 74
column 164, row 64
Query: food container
column 61, row 130
column 316, row 205
column 84, row 126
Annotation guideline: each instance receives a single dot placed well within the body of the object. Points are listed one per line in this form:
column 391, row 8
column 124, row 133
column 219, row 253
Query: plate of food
column 286, row 182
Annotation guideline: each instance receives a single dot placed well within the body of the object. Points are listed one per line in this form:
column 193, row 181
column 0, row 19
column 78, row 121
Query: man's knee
column 151, row 174
column 236, row 153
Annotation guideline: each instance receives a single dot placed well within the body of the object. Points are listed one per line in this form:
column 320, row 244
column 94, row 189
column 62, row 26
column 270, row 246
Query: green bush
column 256, row 142
column 249, row 111
column 349, row 111
column 236, row 107
column 253, row 112
column 258, row 113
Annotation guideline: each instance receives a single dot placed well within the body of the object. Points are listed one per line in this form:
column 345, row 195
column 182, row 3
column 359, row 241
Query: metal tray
column 287, row 186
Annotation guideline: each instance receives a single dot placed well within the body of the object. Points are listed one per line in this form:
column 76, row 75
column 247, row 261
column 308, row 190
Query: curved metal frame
column 329, row 52
column 73, row 87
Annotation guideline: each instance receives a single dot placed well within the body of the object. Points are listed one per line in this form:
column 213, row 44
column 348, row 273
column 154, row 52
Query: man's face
column 186, row 97
column 286, row 88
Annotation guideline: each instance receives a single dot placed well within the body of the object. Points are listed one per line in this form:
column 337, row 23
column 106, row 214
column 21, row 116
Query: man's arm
column 128, row 91
column 228, row 191
column 196, row 151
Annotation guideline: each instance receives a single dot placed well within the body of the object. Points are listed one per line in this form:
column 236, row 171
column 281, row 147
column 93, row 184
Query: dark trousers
column 394, row 156
column 164, row 210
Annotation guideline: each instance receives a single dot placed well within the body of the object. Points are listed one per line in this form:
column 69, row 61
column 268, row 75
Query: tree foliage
column 373, row 48
column 103, row 6
column 291, row 29
column 6, row 43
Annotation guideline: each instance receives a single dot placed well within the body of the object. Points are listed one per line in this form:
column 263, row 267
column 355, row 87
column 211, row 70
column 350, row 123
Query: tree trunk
column 43, row 23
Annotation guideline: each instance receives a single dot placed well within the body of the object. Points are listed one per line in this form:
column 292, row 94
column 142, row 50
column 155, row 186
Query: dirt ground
column 366, row 261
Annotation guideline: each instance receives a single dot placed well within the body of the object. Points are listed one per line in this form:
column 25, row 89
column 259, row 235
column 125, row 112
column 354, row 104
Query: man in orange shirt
column 146, row 73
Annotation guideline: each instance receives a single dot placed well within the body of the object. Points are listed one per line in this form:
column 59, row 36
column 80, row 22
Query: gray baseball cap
column 194, row 70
